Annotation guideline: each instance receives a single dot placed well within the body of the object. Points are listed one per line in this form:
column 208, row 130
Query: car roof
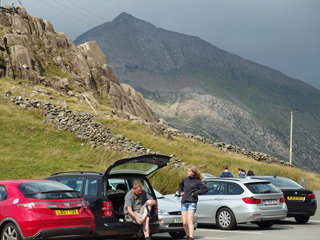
column 239, row 180
column 19, row 181
column 72, row 173
column 267, row 176
column 207, row 175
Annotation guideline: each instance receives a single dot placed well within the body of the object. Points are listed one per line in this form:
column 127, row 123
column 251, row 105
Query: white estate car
column 230, row 201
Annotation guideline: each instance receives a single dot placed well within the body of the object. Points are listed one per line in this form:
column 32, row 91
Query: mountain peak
column 124, row 16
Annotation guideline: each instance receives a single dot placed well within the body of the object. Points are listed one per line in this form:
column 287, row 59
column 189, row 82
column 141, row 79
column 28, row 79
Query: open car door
column 144, row 165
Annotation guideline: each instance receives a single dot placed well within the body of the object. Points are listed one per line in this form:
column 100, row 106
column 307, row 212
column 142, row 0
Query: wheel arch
column 215, row 217
column 10, row 220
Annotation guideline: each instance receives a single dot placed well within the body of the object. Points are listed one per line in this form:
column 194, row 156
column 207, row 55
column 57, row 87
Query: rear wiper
column 57, row 191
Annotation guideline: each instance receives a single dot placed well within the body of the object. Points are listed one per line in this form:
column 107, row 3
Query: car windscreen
column 47, row 190
column 138, row 168
column 260, row 188
column 158, row 194
column 284, row 183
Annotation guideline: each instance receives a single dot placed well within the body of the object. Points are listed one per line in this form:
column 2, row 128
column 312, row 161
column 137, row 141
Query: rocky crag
column 32, row 51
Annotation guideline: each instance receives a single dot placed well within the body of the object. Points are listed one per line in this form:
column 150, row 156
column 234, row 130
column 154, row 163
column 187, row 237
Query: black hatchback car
column 301, row 202
column 105, row 193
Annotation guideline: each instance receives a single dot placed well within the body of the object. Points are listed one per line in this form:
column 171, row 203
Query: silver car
column 231, row 201
column 169, row 214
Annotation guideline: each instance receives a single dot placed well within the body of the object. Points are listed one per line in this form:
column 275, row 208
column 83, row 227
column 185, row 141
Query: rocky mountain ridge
column 207, row 91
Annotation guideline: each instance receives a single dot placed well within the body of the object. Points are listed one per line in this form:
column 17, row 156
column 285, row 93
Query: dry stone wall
column 98, row 135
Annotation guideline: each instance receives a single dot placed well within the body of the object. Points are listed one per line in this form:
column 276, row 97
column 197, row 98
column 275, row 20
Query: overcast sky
column 281, row 34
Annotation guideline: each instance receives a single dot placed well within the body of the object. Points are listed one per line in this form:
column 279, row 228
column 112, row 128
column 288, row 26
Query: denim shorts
column 188, row 206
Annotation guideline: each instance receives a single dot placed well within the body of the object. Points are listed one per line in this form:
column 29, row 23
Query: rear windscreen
column 47, row 190
column 261, row 188
column 284, row 183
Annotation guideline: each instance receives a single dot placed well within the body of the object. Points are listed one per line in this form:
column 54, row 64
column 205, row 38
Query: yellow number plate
column 67, row 212
column 297, row 198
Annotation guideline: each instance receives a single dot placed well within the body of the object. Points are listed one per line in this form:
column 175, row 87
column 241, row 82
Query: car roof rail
column 80, row 172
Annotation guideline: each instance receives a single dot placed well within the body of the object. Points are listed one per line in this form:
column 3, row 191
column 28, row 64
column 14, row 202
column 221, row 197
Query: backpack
column 225, row 174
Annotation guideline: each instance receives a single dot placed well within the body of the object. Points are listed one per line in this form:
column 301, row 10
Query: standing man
column 226, row 172
column 137, row 207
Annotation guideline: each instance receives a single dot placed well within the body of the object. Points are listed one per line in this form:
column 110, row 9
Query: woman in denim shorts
column 189, row 189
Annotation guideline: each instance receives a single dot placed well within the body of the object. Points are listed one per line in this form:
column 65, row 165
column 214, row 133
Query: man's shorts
column 139, row 213
column 189, row 206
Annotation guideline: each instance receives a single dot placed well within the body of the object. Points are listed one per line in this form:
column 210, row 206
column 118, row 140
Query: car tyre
column 302, row 220
column 177, row 234
column 10, row 231
column 265, row 224
column 225, row 219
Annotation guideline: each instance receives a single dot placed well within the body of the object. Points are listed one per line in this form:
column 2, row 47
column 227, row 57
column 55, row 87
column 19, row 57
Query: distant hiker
column 241, row 172
column 250, row 173
column 226, row 172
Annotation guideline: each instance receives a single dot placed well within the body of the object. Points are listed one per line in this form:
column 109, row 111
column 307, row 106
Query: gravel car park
column 301, row 202
column 231, row 201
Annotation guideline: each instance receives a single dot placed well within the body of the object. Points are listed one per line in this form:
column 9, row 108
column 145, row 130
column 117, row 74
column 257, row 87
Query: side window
column 222, row 189
column 214, row 187
column 3, row 193
column 234, row 189
column 91, row 187
column 117, row 185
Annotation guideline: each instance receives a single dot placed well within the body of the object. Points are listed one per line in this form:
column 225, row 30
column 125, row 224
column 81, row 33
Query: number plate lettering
column 270, row 202
column 296, row 198
column 67, row 212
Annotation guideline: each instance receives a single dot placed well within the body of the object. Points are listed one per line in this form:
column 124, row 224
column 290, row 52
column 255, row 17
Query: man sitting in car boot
column 137, row 207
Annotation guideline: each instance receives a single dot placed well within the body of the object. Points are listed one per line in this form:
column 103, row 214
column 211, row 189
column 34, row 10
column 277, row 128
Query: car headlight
column 161, row 211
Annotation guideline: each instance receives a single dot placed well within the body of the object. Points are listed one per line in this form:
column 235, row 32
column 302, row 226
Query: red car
column 43, row 209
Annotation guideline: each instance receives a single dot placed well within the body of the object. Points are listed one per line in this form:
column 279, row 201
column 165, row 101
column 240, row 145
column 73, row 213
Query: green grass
column 207, row 157
column 30, row 148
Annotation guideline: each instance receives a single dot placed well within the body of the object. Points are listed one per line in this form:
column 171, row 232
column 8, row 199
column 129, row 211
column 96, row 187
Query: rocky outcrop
column 33, row 51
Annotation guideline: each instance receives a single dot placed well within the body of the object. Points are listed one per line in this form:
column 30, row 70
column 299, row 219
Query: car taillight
column 251, row 200
column 60, row 205
column 282, row 199
column 33, row 205
column 155, row 208
column 106, row 209
column 311, row 196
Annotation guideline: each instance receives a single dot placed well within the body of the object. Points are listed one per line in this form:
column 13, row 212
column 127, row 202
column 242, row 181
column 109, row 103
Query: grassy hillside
column 31, row 148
